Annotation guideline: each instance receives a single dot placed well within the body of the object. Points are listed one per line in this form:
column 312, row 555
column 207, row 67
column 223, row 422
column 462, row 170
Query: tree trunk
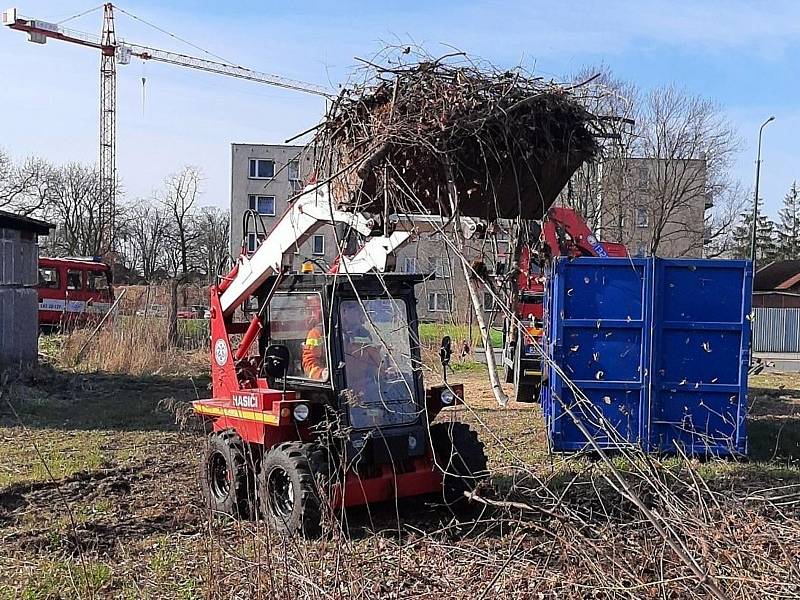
column 172, row 320
column 491, row 365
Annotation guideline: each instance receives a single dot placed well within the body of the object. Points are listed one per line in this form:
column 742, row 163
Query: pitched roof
column 780, row 274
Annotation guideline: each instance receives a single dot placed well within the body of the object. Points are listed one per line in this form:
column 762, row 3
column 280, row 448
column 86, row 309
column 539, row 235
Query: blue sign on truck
column 648, row 352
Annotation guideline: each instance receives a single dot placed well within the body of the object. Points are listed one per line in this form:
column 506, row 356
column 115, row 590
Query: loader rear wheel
column 461, row 455
column 226, row 479
column 287, row 491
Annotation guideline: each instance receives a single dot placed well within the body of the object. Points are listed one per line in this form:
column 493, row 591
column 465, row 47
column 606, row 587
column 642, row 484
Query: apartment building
column 263, row 178
column 648, row 203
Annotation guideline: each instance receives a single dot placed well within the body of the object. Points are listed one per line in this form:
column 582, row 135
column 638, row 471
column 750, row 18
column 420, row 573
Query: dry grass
column 134, row 345
column 122, row 518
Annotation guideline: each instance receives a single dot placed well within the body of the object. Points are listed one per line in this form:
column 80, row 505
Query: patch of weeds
column 64, row 579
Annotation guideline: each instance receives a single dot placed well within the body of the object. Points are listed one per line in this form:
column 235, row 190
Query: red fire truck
column 72, row 291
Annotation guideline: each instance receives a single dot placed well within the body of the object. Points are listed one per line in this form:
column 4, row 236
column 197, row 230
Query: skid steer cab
column 322, row 404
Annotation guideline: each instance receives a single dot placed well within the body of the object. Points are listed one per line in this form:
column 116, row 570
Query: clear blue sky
column 744, row 55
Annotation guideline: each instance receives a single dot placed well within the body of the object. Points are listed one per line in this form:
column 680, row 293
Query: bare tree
column 23, row 188
column 146, row 234
column 690, row 147
column 75, row 205
column 213, row 230
column 662, row 184
column 179, row 198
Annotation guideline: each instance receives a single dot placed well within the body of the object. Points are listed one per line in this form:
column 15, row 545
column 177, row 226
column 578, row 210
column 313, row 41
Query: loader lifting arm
column 311, row 210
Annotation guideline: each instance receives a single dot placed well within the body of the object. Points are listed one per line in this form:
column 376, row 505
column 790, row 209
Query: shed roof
column 13, row 221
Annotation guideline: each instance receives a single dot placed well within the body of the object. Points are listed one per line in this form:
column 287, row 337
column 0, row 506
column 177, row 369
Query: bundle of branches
column 438, row 133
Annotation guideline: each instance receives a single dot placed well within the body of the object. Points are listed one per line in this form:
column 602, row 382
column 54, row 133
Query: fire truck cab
column 72, row 291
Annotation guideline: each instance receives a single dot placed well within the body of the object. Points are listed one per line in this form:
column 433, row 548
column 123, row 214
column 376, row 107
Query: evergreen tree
column 788, row 228
column 766, row 237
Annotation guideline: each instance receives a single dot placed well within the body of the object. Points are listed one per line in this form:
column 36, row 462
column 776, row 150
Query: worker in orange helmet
column 314, row 360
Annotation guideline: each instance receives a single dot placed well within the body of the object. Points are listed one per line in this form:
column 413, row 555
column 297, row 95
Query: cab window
column 97, row 280
column 48, row 278
column 74, row 279
column 295, row 321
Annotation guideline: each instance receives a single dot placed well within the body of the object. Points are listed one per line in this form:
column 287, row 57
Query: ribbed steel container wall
column 658, row 349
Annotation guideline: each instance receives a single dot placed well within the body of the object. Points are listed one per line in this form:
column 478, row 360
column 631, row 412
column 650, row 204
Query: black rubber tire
column 295, row 508
column 226, row 477
column 460, row 453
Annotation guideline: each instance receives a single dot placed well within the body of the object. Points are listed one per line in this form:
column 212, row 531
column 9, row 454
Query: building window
column 262, row 168
column 644, row 177
column 439, row 301
column 318, row 245
column 410, row 264
column 488, row 302
column 263, row 205
column 440, row 266
column 642, row 218
column 641, row 249
column 294, row 170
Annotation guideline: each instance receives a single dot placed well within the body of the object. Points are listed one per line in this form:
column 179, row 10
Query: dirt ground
column 98, row 498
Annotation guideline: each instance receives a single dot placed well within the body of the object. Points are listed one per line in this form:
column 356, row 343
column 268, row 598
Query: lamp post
column 755, row 199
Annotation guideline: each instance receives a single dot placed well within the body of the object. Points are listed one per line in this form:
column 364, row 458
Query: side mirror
column 445, row 351
column 276, row 360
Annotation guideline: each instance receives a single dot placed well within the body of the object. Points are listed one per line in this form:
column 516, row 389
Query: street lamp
column 755, row 200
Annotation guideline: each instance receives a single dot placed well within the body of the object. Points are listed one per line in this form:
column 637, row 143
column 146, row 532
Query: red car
column 72, row 290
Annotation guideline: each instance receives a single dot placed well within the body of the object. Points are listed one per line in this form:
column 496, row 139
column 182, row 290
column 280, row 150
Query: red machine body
column 262, row 416
column 273, row 415
column 72, row 291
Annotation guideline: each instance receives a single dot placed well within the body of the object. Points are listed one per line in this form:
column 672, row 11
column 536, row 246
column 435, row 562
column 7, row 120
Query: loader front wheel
column 226, row 479
column 287, row 490
column 461, row 455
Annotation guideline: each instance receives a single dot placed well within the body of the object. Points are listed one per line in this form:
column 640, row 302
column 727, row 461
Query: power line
column 86, row 12
column 180, row 39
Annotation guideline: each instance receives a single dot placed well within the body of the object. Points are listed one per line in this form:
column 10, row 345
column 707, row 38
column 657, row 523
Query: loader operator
column 363, row 359
column 315, row 363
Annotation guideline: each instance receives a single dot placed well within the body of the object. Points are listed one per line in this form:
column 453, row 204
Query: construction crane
column 115, row 51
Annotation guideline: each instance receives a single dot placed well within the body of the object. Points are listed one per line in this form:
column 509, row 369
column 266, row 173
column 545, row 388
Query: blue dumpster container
column 648, row 353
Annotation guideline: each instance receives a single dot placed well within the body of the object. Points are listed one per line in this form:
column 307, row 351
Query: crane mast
column 115, row 51
column 108, row 129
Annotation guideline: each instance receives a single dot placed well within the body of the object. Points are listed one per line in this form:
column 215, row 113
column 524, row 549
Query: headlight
column 447, row 397
column 301, row 412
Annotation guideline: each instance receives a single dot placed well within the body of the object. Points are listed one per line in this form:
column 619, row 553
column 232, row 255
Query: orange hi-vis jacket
column 313, row 356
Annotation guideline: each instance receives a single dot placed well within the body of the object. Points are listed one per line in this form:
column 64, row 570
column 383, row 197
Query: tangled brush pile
column 434, row 134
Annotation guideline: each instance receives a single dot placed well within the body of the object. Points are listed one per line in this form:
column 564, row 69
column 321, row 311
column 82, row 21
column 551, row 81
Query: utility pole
column 755, row 199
